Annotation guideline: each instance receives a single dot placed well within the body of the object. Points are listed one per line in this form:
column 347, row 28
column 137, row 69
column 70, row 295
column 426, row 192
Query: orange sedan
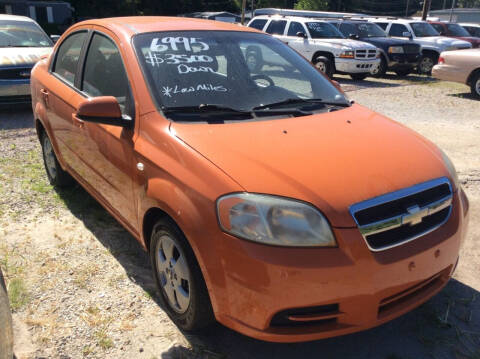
column 266, row 199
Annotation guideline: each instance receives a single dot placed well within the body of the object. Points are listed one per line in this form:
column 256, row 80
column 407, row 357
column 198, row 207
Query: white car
column 424, row 34
column 321, row 43
column 22, row 44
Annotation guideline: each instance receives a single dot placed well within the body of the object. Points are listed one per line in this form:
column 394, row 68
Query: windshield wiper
column 205, row 108
column 294, row 101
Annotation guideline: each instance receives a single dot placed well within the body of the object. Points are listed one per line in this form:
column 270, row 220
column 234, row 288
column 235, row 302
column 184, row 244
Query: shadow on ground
column 448, row 326
column 465, row 95
column 16, row 117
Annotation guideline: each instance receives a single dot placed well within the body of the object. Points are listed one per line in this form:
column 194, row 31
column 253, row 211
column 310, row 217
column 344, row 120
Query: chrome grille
column 15, row 73
column 399, row 217
column 365, row 54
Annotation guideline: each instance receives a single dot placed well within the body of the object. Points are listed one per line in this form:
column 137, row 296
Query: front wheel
column 358, row 77
column 178, row 277
column 426, row 64
column 325, row 65
column 56, row 175
column 475, row 85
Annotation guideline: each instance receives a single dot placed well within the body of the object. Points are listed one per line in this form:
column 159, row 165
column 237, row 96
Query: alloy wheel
column 477, row 86
column 321, row 66
column 426, row 65
column 173, row 273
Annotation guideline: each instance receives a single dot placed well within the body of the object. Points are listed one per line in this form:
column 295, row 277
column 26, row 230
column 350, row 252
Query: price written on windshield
column 172, row 43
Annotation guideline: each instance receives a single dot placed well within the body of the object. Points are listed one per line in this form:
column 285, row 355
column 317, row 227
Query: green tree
column 312, row 5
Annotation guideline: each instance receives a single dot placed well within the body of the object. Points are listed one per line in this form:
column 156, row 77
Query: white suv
column 319, row 42
column 424, row 34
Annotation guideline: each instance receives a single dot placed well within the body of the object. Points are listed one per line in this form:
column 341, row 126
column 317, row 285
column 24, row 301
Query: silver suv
column 321, row 43
column 424, row 34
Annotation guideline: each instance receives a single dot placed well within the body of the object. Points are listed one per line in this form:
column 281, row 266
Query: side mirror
column 103, row 109
column 353, row 36
column 301, row 34
column 54, row 38
column 407, row 34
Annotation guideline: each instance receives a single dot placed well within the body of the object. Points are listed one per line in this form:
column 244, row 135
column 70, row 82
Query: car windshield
column 370, row 30
column 323, row 30
column 423, row 29
column 457, row 30
column 220, row 70
column 22, row 34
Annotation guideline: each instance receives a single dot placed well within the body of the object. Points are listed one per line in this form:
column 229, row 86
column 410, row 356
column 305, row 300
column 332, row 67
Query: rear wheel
column 6, row 332
column 324, row 64
column 475, row 85
column 56, row 175
column 358, row 77
column 179, row 279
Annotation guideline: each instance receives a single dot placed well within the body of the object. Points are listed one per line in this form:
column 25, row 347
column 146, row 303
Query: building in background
column 458, row 15
column 54, row 16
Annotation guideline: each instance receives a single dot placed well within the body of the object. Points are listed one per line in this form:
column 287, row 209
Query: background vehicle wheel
column 426, row 63
column 324, row 64
column 179, row 279
column 358, row 77
column 381, row 69
column 402, row 72
column 475, row 85
column 56, row 175
column 6, row 332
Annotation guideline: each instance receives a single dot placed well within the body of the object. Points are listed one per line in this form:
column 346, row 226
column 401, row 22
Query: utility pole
column 406, row 10
column 426, row 9
column 444, row 4
column 451, row 11
column 244, row 5
column 251, row 11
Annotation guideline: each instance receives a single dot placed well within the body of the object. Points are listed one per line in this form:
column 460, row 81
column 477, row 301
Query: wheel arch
column 430, row 52
column 327, row 54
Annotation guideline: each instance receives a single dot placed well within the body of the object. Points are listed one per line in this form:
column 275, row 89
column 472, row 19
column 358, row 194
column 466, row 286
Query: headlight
column 395, row 50
column 451, row 169
column 274, row 220
column 347, row 54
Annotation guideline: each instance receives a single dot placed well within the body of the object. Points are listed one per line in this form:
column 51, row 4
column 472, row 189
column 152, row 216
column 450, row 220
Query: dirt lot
column 80, row 284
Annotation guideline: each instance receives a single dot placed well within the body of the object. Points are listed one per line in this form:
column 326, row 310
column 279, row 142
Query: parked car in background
column 473, row 29
column 399, row 56
column 322, row 44
column 456, row 31
column 266, row 199
column 460, row 66
column 22, row 44
column 422, row 33
column 6, row 331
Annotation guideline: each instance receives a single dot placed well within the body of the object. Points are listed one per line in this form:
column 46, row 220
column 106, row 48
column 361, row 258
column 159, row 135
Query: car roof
column 289, row 17
column 468, row 24
column 15, row 18
column 140, row 24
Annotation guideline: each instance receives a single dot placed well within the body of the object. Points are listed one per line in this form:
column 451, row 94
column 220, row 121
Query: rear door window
column 67, row 57
column 276, row 27
column 439, row 28
column 397, row 30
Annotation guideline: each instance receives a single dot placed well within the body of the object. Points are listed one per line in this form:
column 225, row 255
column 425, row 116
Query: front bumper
column 14, row 91
column 355, row 66
column 361, row 289
column 450, row 73
column 403, row 61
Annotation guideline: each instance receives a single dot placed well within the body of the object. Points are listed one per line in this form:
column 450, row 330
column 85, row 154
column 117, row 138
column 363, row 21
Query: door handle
column 77, row 122
column 44, row 96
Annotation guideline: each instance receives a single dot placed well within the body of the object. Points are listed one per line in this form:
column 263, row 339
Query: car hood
column 352, row 44
column 331, row 160
column 384, row 41
column 442, row 40
column 16, row 56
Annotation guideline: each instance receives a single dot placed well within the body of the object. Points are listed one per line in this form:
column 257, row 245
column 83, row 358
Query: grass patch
column 103, row 340
column 17, row 294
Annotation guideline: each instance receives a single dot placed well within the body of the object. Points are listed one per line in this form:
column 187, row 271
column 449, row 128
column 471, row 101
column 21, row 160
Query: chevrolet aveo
column 266, row 199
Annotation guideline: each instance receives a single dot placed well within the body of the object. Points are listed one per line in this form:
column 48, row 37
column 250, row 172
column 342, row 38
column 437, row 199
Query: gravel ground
column 80, row 284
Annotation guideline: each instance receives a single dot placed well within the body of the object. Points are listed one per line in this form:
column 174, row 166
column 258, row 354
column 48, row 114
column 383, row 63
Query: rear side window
column 348, row 29
column 397, row 30
column 258, row 24
column 277, row 27
column 68, row 55
column 104, row 73
column 294, row 28
column 383, row 25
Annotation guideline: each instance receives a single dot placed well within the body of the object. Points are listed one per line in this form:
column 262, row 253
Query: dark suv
column 400, row 56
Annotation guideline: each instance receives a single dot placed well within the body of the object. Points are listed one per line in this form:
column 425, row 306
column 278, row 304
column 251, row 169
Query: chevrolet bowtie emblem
column 415, row 215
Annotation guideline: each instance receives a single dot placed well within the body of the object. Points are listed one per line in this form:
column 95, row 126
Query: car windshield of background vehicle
column 235, row 70
column 423, row 29
column 457, row 30
column 22, row 34
column 370, row 30
column 323, row 30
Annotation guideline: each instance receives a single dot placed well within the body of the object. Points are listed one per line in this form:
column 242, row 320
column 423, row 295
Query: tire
column 6, row 331
column 183, row 292
column 56, row 175
column 404, row 72
column 358, row 77
column 325, row 65
column 475, row 85
column 426, row 63
column 381, row 70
